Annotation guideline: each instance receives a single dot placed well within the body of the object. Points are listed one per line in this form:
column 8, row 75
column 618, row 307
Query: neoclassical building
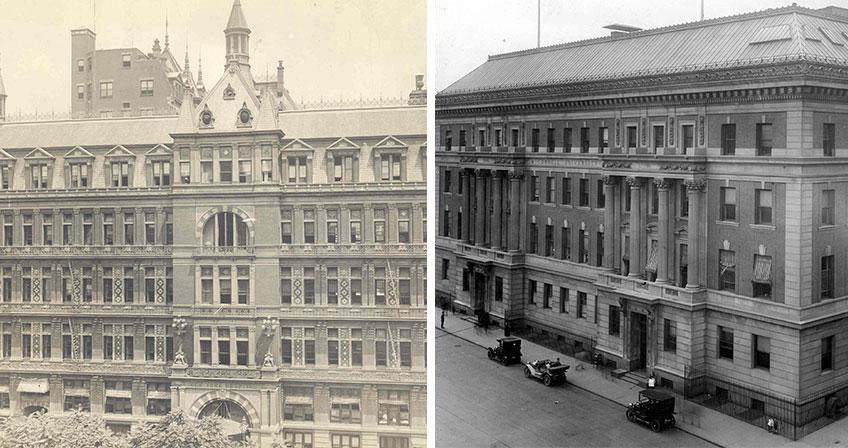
column 674, row 199
column 236, row 259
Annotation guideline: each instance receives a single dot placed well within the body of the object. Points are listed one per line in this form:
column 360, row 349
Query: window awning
column 762, row 269
column 345, row 400
column 652, row 261
column 34, row 386
column 727, row 260
column 296, row 399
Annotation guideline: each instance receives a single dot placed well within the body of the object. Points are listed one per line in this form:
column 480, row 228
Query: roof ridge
column 665, row 29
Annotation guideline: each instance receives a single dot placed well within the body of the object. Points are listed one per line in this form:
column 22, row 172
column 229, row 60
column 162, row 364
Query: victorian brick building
column 674, row 199
column 263, row 265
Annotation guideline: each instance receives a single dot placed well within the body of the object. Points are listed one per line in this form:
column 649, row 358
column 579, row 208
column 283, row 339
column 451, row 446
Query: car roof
column 509, row 339
column 654, row 394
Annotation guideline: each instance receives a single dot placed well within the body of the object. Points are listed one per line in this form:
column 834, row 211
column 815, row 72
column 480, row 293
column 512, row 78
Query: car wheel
column 491, row 354
column 527, row 372
column 630, row 416
column 655, row 425
column 547, row 380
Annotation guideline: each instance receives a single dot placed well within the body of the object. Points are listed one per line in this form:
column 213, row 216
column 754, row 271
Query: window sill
column 828, row 227
column 727, row 223
column 762, row 226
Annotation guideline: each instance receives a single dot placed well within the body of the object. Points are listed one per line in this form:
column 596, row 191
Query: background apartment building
column 262, row 265
column 676, row 204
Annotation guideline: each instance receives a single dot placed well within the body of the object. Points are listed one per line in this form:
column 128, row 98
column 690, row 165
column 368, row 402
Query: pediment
column 39, row 154
column 119, row 151
column 343, row 143
column 159, row 150
column 5, row 156
column 390, row 142
column 298, row 144
column 78, row 153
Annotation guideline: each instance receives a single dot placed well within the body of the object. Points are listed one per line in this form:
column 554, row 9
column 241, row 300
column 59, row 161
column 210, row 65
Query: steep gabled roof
column 226, row 98
column 237, row 19
column 778, row 35
column 39, row 153
column 78, row 153
column 297, row 144
column 119, row 151
column 390, row 142
column 343, row 143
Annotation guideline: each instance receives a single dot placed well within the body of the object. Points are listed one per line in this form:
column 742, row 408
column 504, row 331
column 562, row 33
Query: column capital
column 463, row 172
column 695, row 185
column 662, row 184
column 609, row 180
column 634, row 182
column 516, row 176
column 497, row 174
column 479, row 172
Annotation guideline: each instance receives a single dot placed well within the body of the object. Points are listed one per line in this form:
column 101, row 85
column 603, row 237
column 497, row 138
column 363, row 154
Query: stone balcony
column 650, row 291
column 152, row 310
column 354, row 250
column 222, row 251
column 90, row 367
column 382, row 313
column 86, row 251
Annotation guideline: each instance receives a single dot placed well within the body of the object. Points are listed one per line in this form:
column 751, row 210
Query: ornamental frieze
column 683, row 167
column 610, row 164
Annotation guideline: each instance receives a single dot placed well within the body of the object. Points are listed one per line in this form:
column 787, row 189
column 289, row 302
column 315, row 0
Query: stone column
column 635, row 227
column 693, row 189
column 663, row 186
column 514, row 236
column 251, row 346
column 609, row 222
column 480, row 209
column 497, row 212
column 466, row 205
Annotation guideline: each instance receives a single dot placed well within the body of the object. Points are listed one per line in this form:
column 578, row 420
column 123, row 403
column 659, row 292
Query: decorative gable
column 38, row 154
column 78, row 153
column 298, row 145
column 5, row 156
column 119, row 152
column 159, row 151
column 343, row 143
column 229, row 92
column 390, row 142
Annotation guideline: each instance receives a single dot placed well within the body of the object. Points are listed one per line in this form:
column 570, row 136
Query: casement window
column 614, row 321
column 725, row 343
column 762, row 352
column 764, row 139
column 105, row 89
column 827, row 277
column 728, row 139
column 728, row 204
column 828, row 139
column 763, row 212
column 297, row 169
column 727, row 270
column 828, row 202
column 669, row 335
column 146, row 87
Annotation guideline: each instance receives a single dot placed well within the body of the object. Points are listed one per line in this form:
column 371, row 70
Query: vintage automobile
column 654, row 408
column 507, row 351
column 550, row 372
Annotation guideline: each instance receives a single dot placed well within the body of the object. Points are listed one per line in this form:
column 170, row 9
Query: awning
column 727, row 260
column 296, row 399
column 762, row 269
column 34, row 386
column 345, row 400
column 652, row 261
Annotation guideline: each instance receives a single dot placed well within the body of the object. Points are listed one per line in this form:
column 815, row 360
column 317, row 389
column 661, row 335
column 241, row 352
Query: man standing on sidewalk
column 443, row 319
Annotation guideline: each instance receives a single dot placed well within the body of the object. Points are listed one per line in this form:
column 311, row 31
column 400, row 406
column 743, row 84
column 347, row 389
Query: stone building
column 263, row 265
column 673, row 199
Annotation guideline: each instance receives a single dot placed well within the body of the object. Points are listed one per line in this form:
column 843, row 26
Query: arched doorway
column 29, row 410
column 236, row 424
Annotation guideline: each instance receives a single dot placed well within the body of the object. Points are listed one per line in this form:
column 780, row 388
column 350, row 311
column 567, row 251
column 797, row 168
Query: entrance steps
column 635, row 379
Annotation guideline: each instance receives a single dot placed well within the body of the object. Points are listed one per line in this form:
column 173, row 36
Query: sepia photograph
column 641, row 223
column 214, row 224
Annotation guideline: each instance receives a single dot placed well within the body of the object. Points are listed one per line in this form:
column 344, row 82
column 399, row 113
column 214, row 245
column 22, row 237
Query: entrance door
column 638, row 341
column 479, row 291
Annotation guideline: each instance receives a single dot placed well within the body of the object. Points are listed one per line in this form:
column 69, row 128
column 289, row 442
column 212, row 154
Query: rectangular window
column 126, row 60
column 551, row 139
column 763, row 200
column 827, row 353
column 828, row 202
column 531, row 291
column 829, row 139
column 727, row 270
column 355, row 226
column 81, row 92
column 498, row 138
column 79, row 175
column 563, row 300
column 462, row 140
column 659, row 137
column 498, row 289
column 547, row 292
column 728, row 204
column 603, row 139
column 725, row 343
column 448, row 140
column 614, row 321
column 286, row 226
column 120, row 174
column 147, row 87
column 550, row 189
column 687, row 140
column 565, row 242
column 581, row 304
column 669, row 335
column 566, row 140
column 566, row 191
column 534, row 139
column 631, row 137
column 379, row 225
column 764, row 139
column 309, row 286
column 549, row 240
column 309, row 226
column 601, row 198
column 332, row 226
column 827, row 275
column 584, row 140
column 534, row 238
column 38, row 176
column 762, row 352
column 390, row 167
column 80, row 65
column 105, row 89
column 534, row 185
column 482, row 138
column 584, row 192
column 583, row 241
column 728, row 139
column 403, row 226
column 515, row 141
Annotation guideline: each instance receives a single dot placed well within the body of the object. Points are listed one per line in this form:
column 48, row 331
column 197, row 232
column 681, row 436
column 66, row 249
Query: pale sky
column 468, row 31
column 330, row 48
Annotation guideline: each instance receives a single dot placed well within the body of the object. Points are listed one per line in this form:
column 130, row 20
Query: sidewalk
column 700, row 421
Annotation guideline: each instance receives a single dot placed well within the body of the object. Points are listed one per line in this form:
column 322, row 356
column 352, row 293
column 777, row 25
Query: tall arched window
column 225, row 229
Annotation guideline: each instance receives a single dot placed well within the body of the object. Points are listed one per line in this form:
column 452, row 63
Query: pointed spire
column 185, row 121
column 2, row 87
column 267, row 119
column 185, row 67
column 166, row 28
column 237, row 19
column 200, row 85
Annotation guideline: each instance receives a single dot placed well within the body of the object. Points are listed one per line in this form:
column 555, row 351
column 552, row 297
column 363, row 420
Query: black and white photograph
column 641, row 223
column 214, row 224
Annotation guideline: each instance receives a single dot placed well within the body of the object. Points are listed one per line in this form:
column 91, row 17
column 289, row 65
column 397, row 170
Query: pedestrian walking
column 506, row 329
column 652, row 381
column 443, row 319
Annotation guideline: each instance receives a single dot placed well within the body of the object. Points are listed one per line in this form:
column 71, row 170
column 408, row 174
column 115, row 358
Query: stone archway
column 232, row 405
column 213, row 211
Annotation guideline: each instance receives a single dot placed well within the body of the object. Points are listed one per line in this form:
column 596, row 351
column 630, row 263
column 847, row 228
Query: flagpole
column 539, row 23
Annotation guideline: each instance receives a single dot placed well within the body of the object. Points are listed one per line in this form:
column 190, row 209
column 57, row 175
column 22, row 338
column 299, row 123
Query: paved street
column 480, row 403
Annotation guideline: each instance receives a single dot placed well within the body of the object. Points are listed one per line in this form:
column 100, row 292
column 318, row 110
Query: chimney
column 281, row 78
